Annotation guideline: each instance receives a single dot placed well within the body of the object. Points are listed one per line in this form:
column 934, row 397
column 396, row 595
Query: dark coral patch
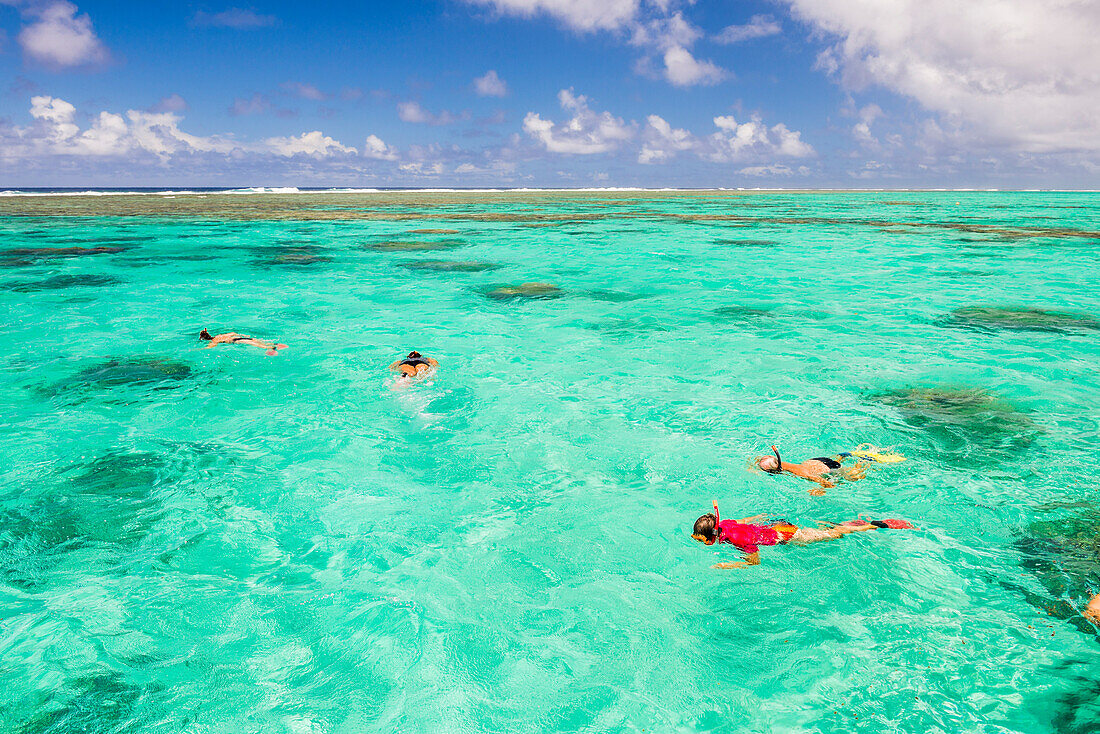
column 289, row 255
column 741, row 313
column 726, row 242
column 1015, row 318
column 21, row 256
column 525, row 291
column 161, row 374
column 61, row 282
column 450, row 266
column 963, row 418
column 612, row 296
column 413, row 245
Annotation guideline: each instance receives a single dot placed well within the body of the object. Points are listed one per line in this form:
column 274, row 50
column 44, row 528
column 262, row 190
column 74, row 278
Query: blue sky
column 846, row 93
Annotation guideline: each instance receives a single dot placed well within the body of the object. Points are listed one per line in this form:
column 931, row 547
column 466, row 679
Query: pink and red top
column 747, row 537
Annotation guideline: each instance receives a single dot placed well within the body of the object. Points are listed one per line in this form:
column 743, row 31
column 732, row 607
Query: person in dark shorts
column 414, row 365
column 232, row 337
column 822, row 470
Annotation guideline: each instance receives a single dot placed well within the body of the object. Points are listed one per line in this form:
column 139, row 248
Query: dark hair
column 706, row 526
column 205, row 335
column 413, row 355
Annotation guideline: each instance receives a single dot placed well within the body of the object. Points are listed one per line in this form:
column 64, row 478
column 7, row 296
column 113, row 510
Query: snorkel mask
column 716, row 531
column 778, row 463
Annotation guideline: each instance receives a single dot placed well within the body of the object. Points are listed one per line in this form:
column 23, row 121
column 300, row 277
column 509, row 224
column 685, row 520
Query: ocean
column 218, row 540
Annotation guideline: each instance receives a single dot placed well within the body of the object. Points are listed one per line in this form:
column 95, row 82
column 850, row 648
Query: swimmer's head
column 413, row 355
column 770, row 464
column 706, row 528
column 205, row 335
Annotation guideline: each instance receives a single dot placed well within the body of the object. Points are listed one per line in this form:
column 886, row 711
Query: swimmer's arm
column 751, row 559
column 818, row 479
column 859, row 471
column 750, row 519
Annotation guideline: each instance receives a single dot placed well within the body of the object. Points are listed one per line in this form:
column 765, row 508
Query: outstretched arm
column 859, row 471
column 751, row 559
column 750, row 519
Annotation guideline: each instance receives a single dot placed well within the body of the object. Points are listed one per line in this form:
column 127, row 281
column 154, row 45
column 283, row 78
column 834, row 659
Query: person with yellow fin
column 825, row 470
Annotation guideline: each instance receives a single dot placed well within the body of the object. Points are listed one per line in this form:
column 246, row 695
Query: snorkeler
column 233, row 337
column 414, row 365
column 748, row 538
column 823, row 470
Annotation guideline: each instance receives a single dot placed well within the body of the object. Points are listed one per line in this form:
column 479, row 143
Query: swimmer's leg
column 805, row 536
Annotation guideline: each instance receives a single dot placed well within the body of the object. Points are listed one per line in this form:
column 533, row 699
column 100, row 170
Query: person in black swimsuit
column 233, row 337
column 817, row 470
column 414, row 365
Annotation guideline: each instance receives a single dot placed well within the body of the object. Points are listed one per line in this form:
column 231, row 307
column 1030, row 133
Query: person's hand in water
column 751, row 559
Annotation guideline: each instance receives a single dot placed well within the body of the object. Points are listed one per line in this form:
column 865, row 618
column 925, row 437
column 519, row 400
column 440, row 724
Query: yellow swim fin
column 867, row 452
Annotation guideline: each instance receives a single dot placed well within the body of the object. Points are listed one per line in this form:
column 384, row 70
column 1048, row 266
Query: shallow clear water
column 221, row 541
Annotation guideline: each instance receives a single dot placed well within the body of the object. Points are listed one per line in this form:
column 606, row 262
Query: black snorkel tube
column 778, row 463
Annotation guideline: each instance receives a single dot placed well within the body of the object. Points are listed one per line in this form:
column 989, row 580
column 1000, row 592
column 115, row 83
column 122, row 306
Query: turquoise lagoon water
column 220, row 541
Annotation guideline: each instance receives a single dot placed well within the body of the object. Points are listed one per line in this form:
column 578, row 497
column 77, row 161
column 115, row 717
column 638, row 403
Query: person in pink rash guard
column 748, row 537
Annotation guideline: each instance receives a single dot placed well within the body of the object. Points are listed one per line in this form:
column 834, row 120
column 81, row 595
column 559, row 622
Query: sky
column 551, row 93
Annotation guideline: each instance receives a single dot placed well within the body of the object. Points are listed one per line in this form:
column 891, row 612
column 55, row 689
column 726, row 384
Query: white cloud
column 375, row 148
column 305, row 91
column 739, row 141
column 664, row 32
column 650, row 25
column 672, row 37
column 862, row 129
column 586, row 133
column 775, row 169
column 315, row 144
column 255, row 105
column 237, row 18
column 490, row 85
column 422, row 168
column 662, row 141
column 589, row 132
column 684, row 70
column 171, row 103
column 1016, row 73
column 414, row 112
column 582, row 15
column 54, row 131
column 59, row 38
column 758, row 26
